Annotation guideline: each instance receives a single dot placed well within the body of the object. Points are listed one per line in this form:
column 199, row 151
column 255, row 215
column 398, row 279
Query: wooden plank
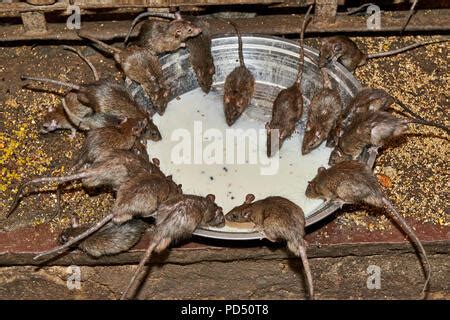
column 434, row 20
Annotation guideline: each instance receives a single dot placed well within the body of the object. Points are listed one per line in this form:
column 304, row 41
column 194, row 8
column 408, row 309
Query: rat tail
column 86, row 60
column 239, row 36
column 298, row 247
column 132, row 284
column 430, row 124
column 103, row 46
column 418, row 119
column 60, row 83
column 302, row 45
column 78, row 238
column 411, row 46
column 58, row 180
column 410, row 14
column 412, row 235
column 149, row 14
column 358, row 9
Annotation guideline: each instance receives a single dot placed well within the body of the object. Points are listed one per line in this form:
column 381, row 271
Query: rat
column 368, row 99
column 352, row 182
column 344, row 50
column 323, row 113
column 138, row 193
column 200, row 55
column 56, row 118
column 100, row 104
column 111, row 239
column 176, row 219
column 121, row 137
column 288, row 105
column 277, row 219
column 371, row 129
column 112, row 168
column 239, row 86
column 364, row 100
column 142, row 66
column 162, row 36
column 141, row 196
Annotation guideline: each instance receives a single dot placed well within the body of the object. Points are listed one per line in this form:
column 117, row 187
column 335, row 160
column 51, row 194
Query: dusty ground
column 414, row 168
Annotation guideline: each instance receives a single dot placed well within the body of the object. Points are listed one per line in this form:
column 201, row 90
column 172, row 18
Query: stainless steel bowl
column 273, row 62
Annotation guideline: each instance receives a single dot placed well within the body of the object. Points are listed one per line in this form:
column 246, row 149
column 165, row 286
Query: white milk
column 230, row 182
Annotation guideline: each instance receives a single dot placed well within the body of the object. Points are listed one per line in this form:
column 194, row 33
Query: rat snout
column 310, row 141
column 49, row 126
column 310, row 191
column 219, row 219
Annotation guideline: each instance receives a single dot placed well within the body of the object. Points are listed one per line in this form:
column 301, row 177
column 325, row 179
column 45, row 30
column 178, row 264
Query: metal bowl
column 273, row 61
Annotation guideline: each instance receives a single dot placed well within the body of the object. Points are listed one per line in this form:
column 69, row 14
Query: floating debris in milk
column 206, row 156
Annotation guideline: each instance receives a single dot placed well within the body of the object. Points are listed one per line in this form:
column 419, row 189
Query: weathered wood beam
column 428, row 20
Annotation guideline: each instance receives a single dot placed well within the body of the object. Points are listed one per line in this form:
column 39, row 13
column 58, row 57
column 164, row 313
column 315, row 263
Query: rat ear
column 249, row 198
column 178, row 16
column 51, row 109
column 337, row 47
column 211, row 197
column 321, row 169
column 156, row 162
column 170, row 177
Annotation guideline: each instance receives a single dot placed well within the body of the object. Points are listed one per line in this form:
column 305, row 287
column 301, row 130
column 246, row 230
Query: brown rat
column 351, row 182
column 112, row 169
column 200, row 55
column 139, row 192
column 162, row 36
column 278, row 219
column 239, row 86
column 176, row 219
column 101, row 140
column 100, row 104
column 141, row 196
column 323, row 113
column 56, row 118
column 288, row 105
column 365, row 100
column 111, row 239
column 343, row 49
column 142, row 66
column 370, row 129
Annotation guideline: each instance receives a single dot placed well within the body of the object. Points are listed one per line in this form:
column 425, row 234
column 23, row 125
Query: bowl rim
column 327, row 207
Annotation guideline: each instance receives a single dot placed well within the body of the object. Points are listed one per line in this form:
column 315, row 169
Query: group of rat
column 114, row 156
